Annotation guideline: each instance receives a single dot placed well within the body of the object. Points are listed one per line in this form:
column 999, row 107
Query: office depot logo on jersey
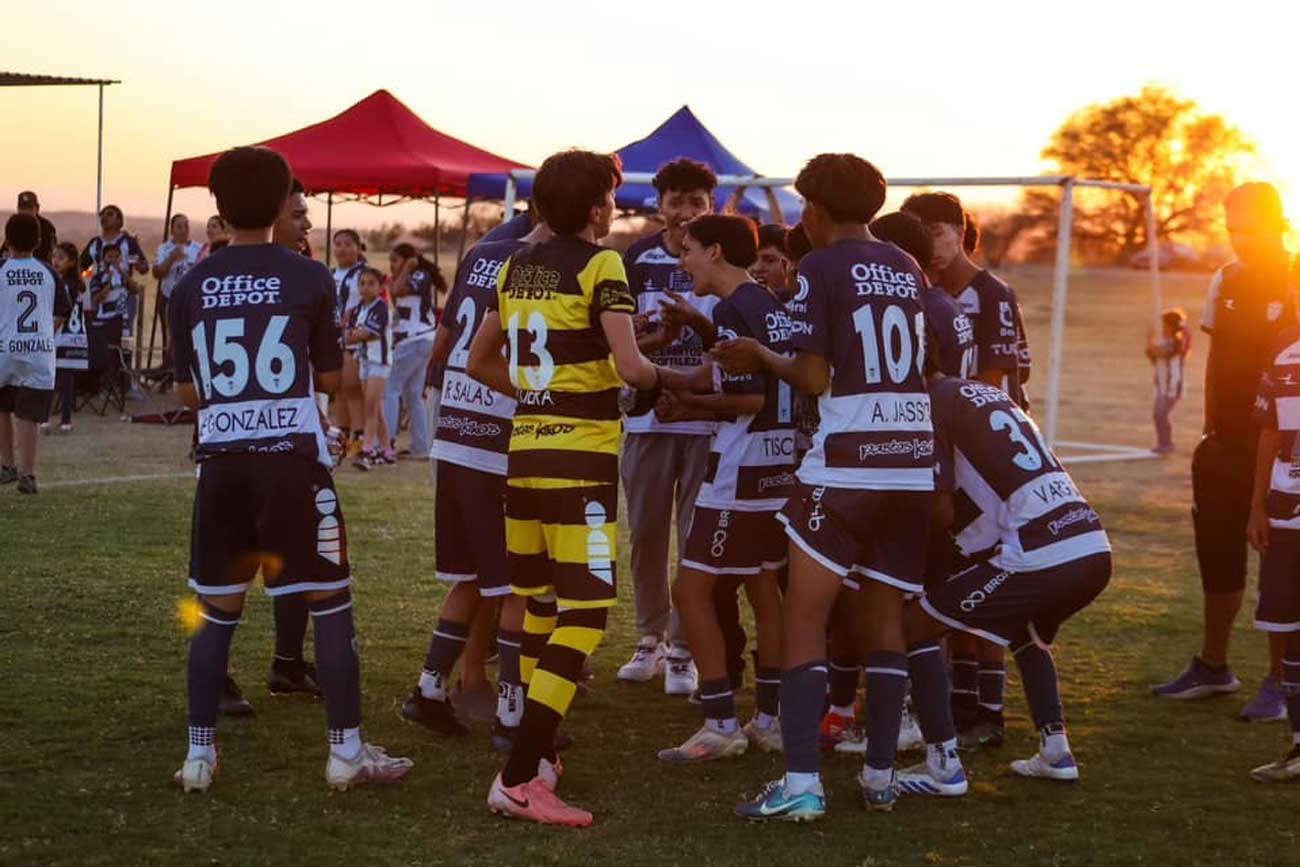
column 236, row 290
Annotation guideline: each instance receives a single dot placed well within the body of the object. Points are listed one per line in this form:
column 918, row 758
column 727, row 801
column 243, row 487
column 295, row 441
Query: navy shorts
column 29, row 404
column 1278, row 607
column 732, row 542
column 279, row 513
column 879, row 535
column 470, row 528
column 1015, row 608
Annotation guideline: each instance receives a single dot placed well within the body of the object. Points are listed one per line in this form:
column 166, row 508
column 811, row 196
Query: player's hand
column 641, row 324
column 669, row 408
column 677, row 312
column 336, row 441
column 633, row 401
column 1257, row 529
column 738, row 357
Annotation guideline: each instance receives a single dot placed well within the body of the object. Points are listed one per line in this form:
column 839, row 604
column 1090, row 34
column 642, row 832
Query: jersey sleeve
column 87, row 255
column 996, row 335
column 133, row 249
column 1211, row 302
column 1265, row 413
column 811, row 325
column 494, row 300
column 609, row 287
column 62, row 298
column 178, row 314
column 945, row 470
column 730, row 324
column 326, row 341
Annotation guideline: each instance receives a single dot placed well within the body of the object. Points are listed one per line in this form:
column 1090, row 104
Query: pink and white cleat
column 534, row 802
column 372, row 765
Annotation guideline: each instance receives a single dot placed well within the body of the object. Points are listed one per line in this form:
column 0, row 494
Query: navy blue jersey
column 1011, row 496
column 859, row 307
column 413, row 313
column 953, row 332
column 474, row 422
column 374, row 318
column 1000, row 341
column 751, row 461
column 249, row 325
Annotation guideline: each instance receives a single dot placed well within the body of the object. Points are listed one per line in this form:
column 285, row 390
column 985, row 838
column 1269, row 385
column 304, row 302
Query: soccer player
column 772, row 267
column 564, row 309
column 255, row 332
column 1274, row 531
column 32, row 299
column 664, row 464
column 1250, row 304
column 734, row 532
column 1050, row 559
column 862, row 506
column 470, row 447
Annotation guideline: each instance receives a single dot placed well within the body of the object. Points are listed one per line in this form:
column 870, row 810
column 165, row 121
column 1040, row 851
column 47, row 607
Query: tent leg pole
column 99, row 156
column 512, row 191
column 437, row 227
column 1060, row 292
column 464, row 232
column 329, row 226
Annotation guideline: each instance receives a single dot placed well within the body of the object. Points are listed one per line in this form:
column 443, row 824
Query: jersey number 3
column 274, row 365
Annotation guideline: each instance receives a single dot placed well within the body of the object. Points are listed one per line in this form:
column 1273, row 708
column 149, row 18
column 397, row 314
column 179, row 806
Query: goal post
column 1091, row 451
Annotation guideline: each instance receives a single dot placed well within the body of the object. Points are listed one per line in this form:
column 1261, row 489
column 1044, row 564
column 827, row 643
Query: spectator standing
column 29, row 204
column 72, row 353
column 1168, row 353
column 414, row 282
column 132, row 258
column 176, row 255
column 215, row 230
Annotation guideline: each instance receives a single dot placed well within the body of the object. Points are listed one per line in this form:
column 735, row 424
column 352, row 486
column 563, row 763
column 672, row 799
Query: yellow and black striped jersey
column 550, row 297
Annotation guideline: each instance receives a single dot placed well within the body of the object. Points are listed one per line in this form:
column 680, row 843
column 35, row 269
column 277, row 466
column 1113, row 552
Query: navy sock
column 337, row 661
column 445, row 646
column 992, row 680
column 1291, row 688
column 290, row 626
column 718, row 701
column 929, row 673
column 886, row 686
column 206, row 668
column 965, row 679
column 767, row 690
column 508, row 645
column 846, row 673
column 803, row 690
column 1038, row 674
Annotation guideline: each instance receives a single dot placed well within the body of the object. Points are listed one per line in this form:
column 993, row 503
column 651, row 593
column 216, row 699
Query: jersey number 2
column 27, row 318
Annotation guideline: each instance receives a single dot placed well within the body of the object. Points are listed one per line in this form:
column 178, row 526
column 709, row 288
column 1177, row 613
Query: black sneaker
column 289, row 676
column 503, row 738
column 988, row 730
column 437, row 716
column 8, row 475
column 233, row 702
column 26, row 484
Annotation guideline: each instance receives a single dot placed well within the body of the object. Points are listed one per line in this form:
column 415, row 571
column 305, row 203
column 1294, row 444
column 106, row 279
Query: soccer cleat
column 371, row 765
column 288, row 677
column 534, row 802
column 503, row 738
column 774, row 803
column 836, row 729
column 647, row 661
column 706, row 745
column 879, row 800
column 1064, row 768
column 765, row 740
column 65, row 428
column 987, row 730
column 232, row 701
column 26, row 483
column 1284, row 770
column 437, row 716
column 8, row 475
column 196, row 774
column 680, row 675
column 1268, row 705
column 1198, row 680
column 367, row 460
column 909, row 734
column 920, row 779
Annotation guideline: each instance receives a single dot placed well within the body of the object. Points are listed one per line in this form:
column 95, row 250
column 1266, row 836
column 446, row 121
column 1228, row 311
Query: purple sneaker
column 1268, row 705
column 1198, row 680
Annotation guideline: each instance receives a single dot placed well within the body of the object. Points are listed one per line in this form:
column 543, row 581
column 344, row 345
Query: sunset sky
column 931, row 88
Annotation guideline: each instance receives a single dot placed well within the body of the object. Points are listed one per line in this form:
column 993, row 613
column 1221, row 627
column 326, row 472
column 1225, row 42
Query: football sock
column 845, row 674
column 206, row 675
column 551, row 690
column 345, row 743
column 803, row 689
column 290, row 626
column 445, row 646
column 719, row 704
column 510, row 691
column 1038, row 674
column 1053, row 743
column 796, row 783
column 992, row 678
column 1291, row 689
column 767, row 691
column 942, row 759
column 925, row 665
column 886, row 687
column 539, row 622
column 338, row 664
column 965, row 679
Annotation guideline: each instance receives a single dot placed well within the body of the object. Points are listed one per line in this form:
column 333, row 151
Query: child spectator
column 109, row 288
column 370, row 336
column 1168, row 353
column 71, row 352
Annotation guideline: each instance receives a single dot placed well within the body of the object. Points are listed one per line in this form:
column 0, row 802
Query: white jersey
column 347, row 295
column 191, row 250
column 29, row 293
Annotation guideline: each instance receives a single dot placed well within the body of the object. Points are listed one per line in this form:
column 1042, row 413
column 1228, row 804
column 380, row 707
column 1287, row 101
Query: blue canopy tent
column 682, row 135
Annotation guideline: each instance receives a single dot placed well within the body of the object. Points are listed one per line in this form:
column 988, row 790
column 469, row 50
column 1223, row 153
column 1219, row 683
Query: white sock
column 1295, row 739
column 942, row 759
column 764, row 720
column 727, row 726
column 202, row 744
column 345, row 743
column 433, row 686
column 843, row 710
column 510, row 705
column 876, row 778
column 797, row 784
column 1055, row 746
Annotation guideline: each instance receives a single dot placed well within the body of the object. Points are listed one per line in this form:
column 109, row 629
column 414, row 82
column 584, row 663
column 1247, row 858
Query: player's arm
column 633, row 367
column 807, row 372
column 442, row 344
column 325, row 348
column 720, row 403
column 487, row 363
column 1257, row 527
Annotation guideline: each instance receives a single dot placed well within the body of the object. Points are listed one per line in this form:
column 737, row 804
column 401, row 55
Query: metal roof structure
column 22, row 79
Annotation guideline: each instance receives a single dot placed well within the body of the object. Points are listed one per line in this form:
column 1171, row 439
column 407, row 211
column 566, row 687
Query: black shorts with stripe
column 732, row 542
column 470, row 528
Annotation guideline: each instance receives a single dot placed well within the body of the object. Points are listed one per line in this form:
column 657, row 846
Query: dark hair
column 970, row 238
column 69, row 249
column 570, row 183
column 735, row 235
column 906, row 232
column 250, row 185
column 114, row 208
column 22, row 233
column 772, row 235
column 176, row 216
column 797, row 244
column 350, row 233
column 110, row 248
column 371, row 272
column 218, row 244
column 847, row 187
column 936, row 208
column 439, row 283
column 1174, row 317
column 1258, row 199
column 685, row 175
column 296, row 187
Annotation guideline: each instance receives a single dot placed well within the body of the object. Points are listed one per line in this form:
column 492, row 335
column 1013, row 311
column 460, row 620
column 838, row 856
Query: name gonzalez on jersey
column 18, row 277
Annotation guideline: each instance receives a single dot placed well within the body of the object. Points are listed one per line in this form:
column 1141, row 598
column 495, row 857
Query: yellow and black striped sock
column 539, row 623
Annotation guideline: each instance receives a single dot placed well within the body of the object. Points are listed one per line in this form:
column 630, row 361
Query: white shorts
column 373, row 369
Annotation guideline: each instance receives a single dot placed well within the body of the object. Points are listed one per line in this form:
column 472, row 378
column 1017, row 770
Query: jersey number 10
column 898, row 354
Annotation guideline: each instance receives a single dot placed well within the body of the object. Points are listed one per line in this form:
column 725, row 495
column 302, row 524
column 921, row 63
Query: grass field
column 92, row 707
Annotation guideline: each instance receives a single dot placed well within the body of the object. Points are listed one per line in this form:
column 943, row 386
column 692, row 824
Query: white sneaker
column 196, row 774
column 922, row 780
column 647, row 661
column 706, row 745
column 765, row 740
column 680, row 676
column 909, row 734
column 1064, row 768
column 372, row 765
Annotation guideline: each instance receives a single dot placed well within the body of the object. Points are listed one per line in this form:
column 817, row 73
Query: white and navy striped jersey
column 1000, row 342
column 31, row 296
column 859, row 307
column 652, row 271
column 347, row 295
column 953, row 333
column 1169, row 361
column 1277, row 406
column 474, row 422
column 71, row 348
column 128, row 245
column 1012, row 499
column 374, row 318
column 249, row 325
column 413, row 313
column 113, row 304
column 751, row 460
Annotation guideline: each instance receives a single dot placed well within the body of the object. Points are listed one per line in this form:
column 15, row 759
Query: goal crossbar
column 1060, row 273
